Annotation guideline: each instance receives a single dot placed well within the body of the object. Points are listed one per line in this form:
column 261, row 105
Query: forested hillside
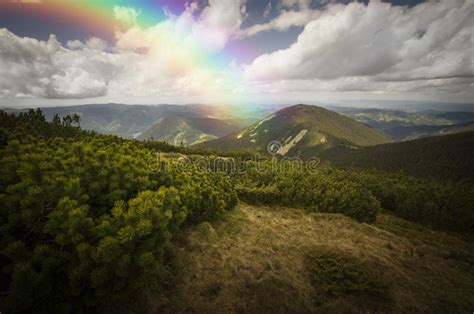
column 446, row 157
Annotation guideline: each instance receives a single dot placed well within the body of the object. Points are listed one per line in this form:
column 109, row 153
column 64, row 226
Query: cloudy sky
column 55, row 52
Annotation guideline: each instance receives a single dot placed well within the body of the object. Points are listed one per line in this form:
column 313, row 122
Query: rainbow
column 99, row 15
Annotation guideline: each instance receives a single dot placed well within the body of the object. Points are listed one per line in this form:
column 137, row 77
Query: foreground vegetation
column 261, row 259
column 359, row 194
column 88, row 218
column 83, row 217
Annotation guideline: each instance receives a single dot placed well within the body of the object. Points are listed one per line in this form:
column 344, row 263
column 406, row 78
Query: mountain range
column 197, row 123
column 403, row 125
column 130, row 121
column 180, row 130
column 300, row 130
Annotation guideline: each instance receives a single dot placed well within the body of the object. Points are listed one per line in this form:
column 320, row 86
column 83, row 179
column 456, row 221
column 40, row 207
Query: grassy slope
column 187, row 130
column 282, row 260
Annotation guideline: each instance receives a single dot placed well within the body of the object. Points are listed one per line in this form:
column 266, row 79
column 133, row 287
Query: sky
column 61, row 52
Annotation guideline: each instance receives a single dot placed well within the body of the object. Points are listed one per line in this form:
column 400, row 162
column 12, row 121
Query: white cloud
column 292, row 13
column 210, row 30
column 366, row 84
column 296, row 4
column 126, row 15
column 47, row 69
column 218, row 22
column 173, row 57
column 268, row 10
column 378, row 49
column 75, row 44
column 378, row 46
column 285, row 20
column 96, row 43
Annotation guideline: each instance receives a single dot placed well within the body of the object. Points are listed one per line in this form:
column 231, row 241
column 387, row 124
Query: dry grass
column 255, row 260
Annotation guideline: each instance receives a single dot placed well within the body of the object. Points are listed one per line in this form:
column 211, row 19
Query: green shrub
column 86, row 217
column 442, row 206
column 337, row 275
column 319, row 191
column 323, row 193
column 259, row 196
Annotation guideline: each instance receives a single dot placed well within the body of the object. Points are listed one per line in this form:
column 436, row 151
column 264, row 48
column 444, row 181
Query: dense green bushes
column 323, row 193
column 316, row 191
column 338, row 276
column 359, row 194
column 443, row 206
column 84, row 217
column 268, row 195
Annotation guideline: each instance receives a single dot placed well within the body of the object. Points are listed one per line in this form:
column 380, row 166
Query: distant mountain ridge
column 302, row 130
column 178, row 130
column 130, row 121
column 402, row 125
column 418, row 131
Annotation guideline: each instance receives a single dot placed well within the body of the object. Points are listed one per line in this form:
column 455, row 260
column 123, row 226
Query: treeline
column 317, row 190
column 444, row 158
column 33, row 123
column 85, row 217
column 196, row 150
column 359, row 194
column 448, row 206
